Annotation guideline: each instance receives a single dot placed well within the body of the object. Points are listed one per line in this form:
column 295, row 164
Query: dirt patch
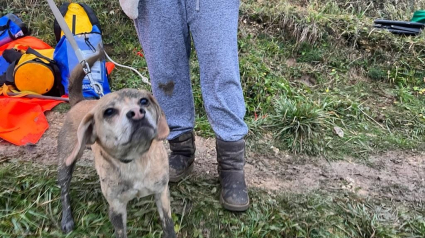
column 399, row 176
column 291, row 62
column 396, row 175
column 44, row 151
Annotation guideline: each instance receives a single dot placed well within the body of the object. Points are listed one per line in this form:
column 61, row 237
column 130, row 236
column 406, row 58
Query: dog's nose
column 136, row 114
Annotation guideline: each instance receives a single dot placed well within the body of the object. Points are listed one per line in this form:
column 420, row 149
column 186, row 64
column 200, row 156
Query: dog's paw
column 67, row 225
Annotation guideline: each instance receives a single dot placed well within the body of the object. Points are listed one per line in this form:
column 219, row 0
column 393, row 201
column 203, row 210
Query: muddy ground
column 395, row 175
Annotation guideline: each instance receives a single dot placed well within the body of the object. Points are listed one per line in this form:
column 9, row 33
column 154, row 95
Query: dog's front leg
column 64, row 179
column 164, row 209
column 118, row 218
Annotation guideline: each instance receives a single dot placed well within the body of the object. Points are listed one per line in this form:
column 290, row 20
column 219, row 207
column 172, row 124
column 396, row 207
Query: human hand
column 130, row 8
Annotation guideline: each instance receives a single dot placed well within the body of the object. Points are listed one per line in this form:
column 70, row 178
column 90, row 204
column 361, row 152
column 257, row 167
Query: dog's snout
column 136, row 114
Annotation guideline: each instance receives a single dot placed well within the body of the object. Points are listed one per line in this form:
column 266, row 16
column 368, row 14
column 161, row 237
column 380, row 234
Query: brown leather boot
column 182, row 156
column 231, row 161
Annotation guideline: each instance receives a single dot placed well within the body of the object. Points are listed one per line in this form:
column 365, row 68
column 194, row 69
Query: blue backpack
column 66, row 59
column 11, row 28
column 87, row 42
column 3, row 66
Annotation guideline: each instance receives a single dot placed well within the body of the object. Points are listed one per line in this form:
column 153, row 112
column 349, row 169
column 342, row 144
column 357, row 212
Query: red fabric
column 109, row 67
column 25, row 42
column 22, row 119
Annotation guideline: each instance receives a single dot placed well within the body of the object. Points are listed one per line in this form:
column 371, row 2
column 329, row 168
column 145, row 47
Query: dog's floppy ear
column 85, row 135
column 162, row 126
column 163, row 129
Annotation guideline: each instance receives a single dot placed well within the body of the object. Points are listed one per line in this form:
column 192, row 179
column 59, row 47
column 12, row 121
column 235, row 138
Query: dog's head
column 123, row 124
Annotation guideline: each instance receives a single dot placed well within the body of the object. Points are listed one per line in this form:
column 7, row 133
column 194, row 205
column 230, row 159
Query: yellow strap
column 5, row 89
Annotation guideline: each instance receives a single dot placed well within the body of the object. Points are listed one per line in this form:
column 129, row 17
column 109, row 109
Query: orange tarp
column 22, row 119
column 25, row 42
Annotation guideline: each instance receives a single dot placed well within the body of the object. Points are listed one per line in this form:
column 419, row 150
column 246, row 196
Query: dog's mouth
column 140, row 133
column 141, row 130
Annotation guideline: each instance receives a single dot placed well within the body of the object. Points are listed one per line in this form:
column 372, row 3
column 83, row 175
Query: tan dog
column 125, row 130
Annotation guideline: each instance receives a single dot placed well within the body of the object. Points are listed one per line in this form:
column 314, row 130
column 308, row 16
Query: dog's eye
column 144, row 101
column 109, row 112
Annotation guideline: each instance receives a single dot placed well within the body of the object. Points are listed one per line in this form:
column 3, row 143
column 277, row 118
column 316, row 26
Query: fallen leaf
column 339, row 131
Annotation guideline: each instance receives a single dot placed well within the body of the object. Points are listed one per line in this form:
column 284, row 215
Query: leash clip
column 86, row 67
column 94, row 84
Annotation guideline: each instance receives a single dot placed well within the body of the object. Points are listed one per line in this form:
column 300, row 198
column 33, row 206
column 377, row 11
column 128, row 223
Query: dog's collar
column 105, row 155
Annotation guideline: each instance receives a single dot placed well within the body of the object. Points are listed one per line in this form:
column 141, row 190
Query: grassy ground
column 30, row 207
column 310, row 69
column 322, row 66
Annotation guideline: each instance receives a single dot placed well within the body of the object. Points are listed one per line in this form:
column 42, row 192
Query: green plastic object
column 419, row 16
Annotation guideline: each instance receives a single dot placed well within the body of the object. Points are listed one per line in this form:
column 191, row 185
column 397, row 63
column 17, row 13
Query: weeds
column 377, row 74
column 299, row 124
column 336, row 57
column 30, row 207
column 306, row 67
column 310, row 52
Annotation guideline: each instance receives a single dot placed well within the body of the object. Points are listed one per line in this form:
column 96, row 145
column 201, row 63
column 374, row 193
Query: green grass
column 317, row 52
column 30, row 207
column 327, row 53
column 299, row 124
column 306, row 68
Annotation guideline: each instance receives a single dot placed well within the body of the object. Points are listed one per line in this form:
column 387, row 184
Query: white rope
column 144, row 79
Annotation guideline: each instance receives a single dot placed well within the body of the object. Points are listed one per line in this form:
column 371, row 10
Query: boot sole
column 233, row 208
column 181, row 176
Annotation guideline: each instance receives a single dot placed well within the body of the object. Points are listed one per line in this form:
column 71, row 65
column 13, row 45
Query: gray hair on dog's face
column 127, row 121
column 124, row 123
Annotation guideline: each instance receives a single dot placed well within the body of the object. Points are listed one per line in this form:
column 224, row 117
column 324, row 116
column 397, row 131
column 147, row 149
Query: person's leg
column 214, row 24
column 214, row 29
column 164, row 35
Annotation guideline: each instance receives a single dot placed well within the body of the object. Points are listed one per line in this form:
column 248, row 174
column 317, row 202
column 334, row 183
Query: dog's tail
column 75, row 86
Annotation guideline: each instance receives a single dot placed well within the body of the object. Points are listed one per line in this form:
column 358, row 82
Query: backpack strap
column 56, row 28
column 3, row 79
column 9, row 79
column 57, row 86
column 12, row 57
column 18, row 22
column 92, row 15
column 33, row 52
column 6, row 28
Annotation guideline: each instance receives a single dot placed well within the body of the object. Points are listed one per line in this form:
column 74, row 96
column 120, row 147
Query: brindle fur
column 129, row 154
